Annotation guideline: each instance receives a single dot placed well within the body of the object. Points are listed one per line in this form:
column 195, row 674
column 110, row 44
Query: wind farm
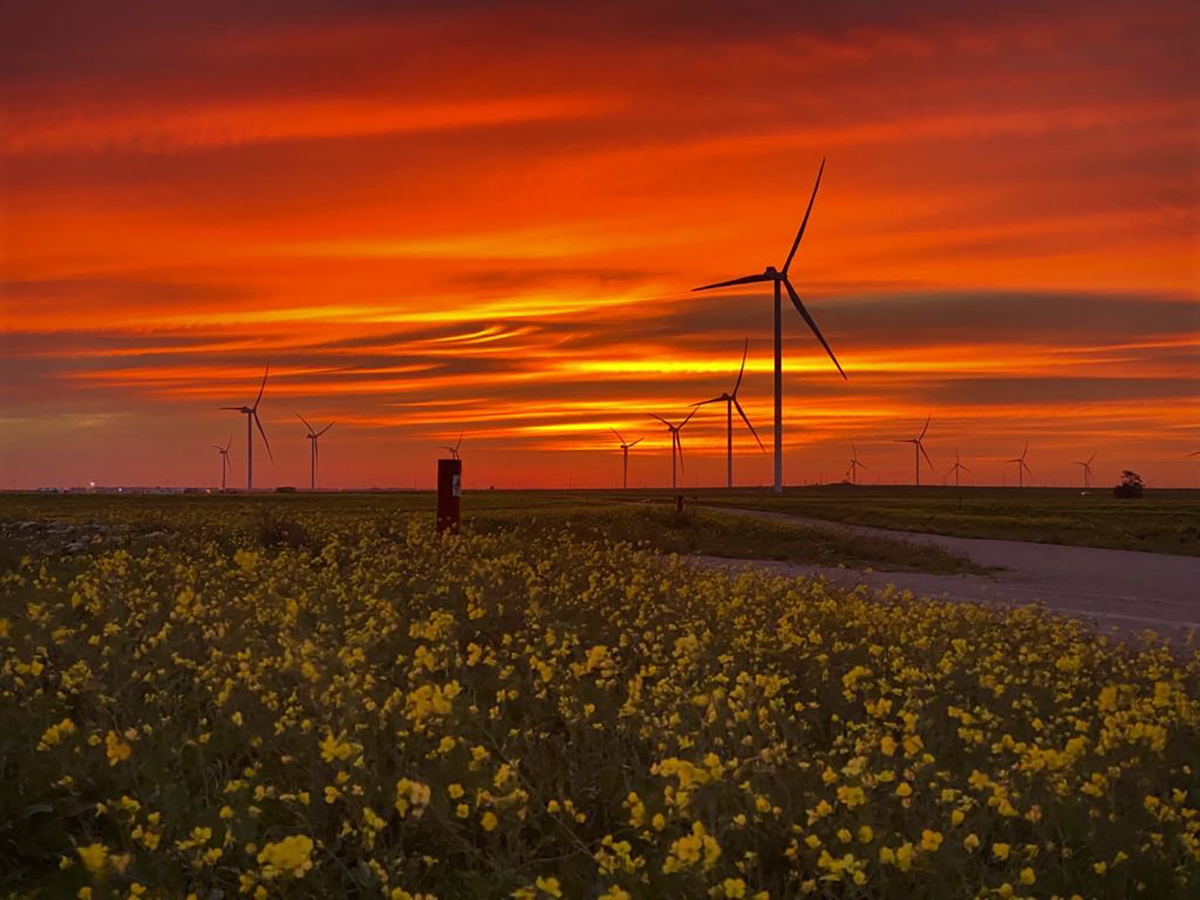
column 559, row 660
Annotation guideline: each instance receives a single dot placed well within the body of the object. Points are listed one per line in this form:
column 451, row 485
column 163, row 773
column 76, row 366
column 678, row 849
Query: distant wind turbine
column 731, row 401
column 454, row 450
column 957, row 468
column 1021, row 467
column 314, row 454
column 780, row 278
column 224, row 451
column 855, row 465
column 625, row 446
column 675, row 441
column 251, row 414
column 919, row 449
column 1087, row 470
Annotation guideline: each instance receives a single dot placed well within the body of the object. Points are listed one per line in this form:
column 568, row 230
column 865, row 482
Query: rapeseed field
column 369, row 710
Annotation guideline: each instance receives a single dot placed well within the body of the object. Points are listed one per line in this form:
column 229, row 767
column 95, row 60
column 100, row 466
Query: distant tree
column 1131, row 486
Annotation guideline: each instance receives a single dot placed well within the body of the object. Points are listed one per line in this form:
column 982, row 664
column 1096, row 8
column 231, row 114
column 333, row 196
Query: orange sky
column 434, row 217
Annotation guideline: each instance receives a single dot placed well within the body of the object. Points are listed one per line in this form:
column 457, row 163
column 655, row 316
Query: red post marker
column 449, row 495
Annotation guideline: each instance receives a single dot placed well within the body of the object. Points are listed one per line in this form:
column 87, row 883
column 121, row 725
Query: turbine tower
column 314, row 454
column 625, row 454
column 957, row 467
column 780, row 278
column 731, row 401
column 224, row 451
column 919, row 449
column 1087, row 470
column 454, row 450
column 1021, row 467
column 855, row 465
column 675, row 442
column 251, row 414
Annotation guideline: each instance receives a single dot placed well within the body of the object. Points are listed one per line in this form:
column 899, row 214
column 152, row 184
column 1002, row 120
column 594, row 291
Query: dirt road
column 1117, row 589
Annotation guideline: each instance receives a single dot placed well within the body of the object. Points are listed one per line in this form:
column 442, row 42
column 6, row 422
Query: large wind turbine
column 778, row 278
column 251, row 414
column 731, row 401
column 919, row 449
column 957, row 467
column 224, row 451
column 625, row 454
column 675, row 441
column 855, row 465
column 1021, row 467
column 314, row 454
column 1087, row 470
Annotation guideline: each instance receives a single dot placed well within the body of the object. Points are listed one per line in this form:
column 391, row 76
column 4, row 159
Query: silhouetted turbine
column 919, row 449
column 314, row 454
column 1087, row 470
column 251, row 414
column 778, row 278
column 1021, row 467
column 855, row 465
column 730, row 402
column 956, row 468
column 625, row 454
column 675, row 441
column 224, row 451
column 454, row 450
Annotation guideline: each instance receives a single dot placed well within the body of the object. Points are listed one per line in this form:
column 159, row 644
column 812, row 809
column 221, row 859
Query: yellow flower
column 1000, row 851
column 930, row 840
column 1027, row 876
column 94, row 858
column 971, row 842
column 548, row 886
column 489, row 821
column 291, row 857
column 115, row 749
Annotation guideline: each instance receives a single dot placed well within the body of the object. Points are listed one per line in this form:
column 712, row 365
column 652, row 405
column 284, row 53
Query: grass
column 279, row 519
column 288, row 700
column 1161, row 522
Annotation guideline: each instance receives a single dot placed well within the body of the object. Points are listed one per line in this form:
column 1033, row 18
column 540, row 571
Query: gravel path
column 1124, row 590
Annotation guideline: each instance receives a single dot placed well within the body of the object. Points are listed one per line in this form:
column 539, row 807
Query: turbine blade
column 661, row 419
column 618, row 434
column 635, row 443
column 926, row 428
column 264, row 436
column 234, row 408
column 804, row 222
column 742, row 413
column 706, row 402
column 685, row 421
column 928, row 461
column 745, row 279
column 861, row 465
column 325, row 429
column 305, row 421
column 458, row 444
column 742, row 370
column 964, row 468
column 679, row 444
column 262, row 387
column 1093, row 456
column 811, row 324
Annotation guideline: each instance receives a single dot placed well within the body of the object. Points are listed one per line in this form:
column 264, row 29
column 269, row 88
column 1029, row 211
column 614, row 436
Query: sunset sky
column 430, row 217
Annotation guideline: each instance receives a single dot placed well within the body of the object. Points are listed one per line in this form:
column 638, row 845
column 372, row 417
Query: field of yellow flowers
column 370, row 711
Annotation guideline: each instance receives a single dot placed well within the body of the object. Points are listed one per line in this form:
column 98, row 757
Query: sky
column 430, row 218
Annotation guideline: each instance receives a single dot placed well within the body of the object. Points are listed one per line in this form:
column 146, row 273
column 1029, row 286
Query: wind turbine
column 780, row 278
column 919, row 449
column 625, row 454
column 1087, row 470
column 454, row 450
column 730, row 402
column 957, row 467
column 1021, row 467
column 314, row 454
column 675, row 441
column 224, row 451
column 855, row 465
column 251, row 414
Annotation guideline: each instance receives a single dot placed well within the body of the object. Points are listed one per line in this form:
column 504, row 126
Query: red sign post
column 449, row 495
